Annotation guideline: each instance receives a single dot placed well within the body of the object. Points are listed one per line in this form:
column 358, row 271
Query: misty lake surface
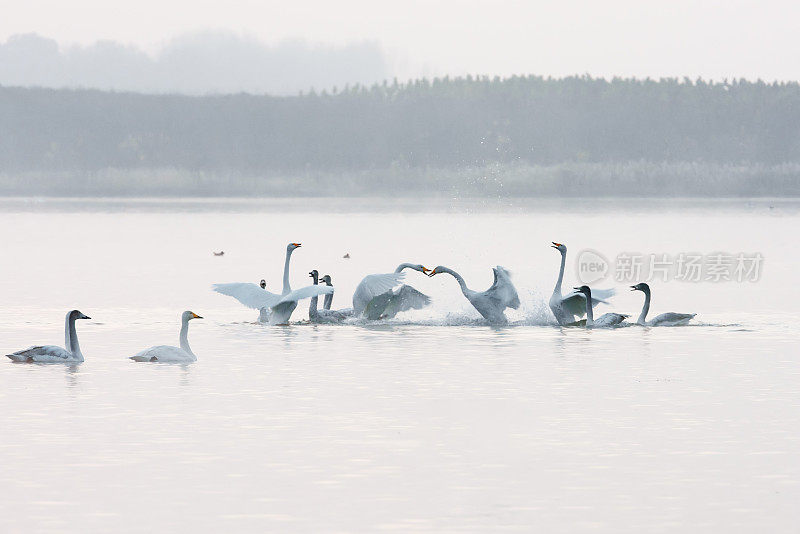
column 432, row 421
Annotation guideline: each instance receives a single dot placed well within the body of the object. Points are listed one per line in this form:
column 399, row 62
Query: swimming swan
column 378, row 297
column 665, row 319
column 52, row 353
column 280, row 306
column 325, row 315
column 328, row 298
column 566, row 308
column 168, row 353
column 605, row 320
column 491, row 303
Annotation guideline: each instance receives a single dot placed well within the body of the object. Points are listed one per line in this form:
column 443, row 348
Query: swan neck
column 645, row 308
column 401, row 267
column 589, row 312
column 459, row 279
column 184, row 337
column 71, row 336
column 328, row 301
column 561, row 272
column 286, row 287
column 312, row 305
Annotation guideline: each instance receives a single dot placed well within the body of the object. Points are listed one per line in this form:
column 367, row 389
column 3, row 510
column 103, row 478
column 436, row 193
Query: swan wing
column 602, row 295
column 408, row 298
column 164, row 354
column 671, row 319
column 503, row 290
column 575, row 303
column 282, row 310
column 304, row 293
column 373, row 285
column 43, row 354
column 376, row 307
column 251, row 295
column 389, row 304
column 610, row 319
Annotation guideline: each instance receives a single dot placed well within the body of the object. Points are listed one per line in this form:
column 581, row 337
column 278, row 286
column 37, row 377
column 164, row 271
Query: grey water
column 432, row 421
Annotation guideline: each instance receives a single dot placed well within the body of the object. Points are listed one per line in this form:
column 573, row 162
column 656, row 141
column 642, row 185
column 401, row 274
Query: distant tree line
column 192, row 63
column 439, row 123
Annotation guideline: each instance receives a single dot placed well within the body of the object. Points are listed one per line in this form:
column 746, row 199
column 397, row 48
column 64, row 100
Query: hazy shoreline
column 638, row 179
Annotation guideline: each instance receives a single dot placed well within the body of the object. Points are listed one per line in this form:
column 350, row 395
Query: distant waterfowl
column 346, row 256
column 325, row 315
column 220, row 253
column 53, row 353
column 605, row 320
column 168, row 353
column 263, row 284
column 566, row 308
column 665, row 319
column 491, row 304
column 378, row 296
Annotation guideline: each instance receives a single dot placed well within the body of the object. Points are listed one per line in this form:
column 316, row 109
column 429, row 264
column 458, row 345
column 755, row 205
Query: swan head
column 263, row 284
column 641, row 287
column 314, row 274
column 420, row 268
column 327, row 280
column 291, row 246
column 76, row 314
column 559, row 247
column 437, row 270
column 189, row 315
column 583, row 289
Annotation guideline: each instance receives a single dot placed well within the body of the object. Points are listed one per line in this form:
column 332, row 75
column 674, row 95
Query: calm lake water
column 429, row 422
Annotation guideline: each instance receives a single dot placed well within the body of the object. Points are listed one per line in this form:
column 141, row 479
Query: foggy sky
column 708, row 38
column 196, row 63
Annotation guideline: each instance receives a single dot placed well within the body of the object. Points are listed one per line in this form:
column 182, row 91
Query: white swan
column 605, row 320
column 280, row 306
column 378, row 297
column 168, row 353
column 566, row 308
column 326, row 314
column 665, row 319
column 249, row 295
column 490, row 303
column 52, row 353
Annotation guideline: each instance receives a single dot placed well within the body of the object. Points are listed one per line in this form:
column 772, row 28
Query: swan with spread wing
column 565, row 308
column 491, row 303
column 280, row 306
column 378, row 296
